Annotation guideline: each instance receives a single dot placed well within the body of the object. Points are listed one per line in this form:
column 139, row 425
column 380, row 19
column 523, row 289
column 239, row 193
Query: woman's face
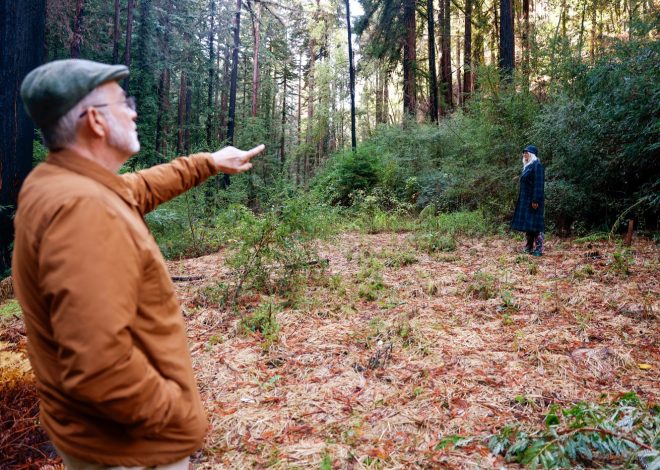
column 526, row 156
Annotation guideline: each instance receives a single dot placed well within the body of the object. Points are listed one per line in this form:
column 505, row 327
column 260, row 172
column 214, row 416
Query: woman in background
column 528, row 216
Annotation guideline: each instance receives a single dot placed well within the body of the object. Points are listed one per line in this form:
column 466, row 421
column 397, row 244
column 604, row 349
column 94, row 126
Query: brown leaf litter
column 377, row 384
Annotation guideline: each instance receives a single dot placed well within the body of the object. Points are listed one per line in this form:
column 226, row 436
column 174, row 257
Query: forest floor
column 392, row 358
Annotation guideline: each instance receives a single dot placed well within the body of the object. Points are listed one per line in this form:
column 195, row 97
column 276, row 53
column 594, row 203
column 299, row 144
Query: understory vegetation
column 597, row 132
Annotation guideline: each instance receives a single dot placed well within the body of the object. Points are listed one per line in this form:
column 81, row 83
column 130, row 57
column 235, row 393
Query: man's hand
column 231, row 160
column 535, row 205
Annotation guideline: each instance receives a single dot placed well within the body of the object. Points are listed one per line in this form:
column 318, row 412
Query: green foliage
column 10, row 308
column 370, row 278
column 621, row 262
column 438, row 233
column 482, row 286
column 273, row 251
column 600, row 134
column 263, row 320
column 349, row 173
column 586, row 434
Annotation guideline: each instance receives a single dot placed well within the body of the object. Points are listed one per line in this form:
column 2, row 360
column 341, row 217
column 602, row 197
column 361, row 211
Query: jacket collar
column 72, row 161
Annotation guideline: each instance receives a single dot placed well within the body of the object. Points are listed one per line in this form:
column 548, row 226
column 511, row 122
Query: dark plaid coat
column 532, row 181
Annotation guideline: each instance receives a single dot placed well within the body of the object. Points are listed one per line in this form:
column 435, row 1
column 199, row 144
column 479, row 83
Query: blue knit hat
column 531, row 149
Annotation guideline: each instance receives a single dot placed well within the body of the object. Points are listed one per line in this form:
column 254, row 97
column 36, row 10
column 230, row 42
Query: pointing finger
column 254, row 152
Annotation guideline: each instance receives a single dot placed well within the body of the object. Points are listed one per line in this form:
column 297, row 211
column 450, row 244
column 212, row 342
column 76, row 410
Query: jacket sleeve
column 161, row 183
column 539, row 183
column 89, row 271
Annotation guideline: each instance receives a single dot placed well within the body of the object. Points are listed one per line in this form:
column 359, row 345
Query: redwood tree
column 507, row 51
column 76, row 40
column 409, row 59
column 22, row 30
column 129, row 38
column 467, row 60
column 433, row 75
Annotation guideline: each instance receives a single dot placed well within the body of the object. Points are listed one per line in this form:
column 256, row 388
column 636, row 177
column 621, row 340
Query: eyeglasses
column 128, row 101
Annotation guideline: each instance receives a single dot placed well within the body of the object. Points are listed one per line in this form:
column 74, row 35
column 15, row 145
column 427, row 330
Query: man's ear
column 95, row 122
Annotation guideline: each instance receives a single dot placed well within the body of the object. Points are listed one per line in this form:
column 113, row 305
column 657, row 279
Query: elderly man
column 107, row 340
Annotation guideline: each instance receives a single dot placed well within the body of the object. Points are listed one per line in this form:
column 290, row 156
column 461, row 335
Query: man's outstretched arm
column 161, row 183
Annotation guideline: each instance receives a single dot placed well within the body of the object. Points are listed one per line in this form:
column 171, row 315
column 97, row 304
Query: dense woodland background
column 447, row 94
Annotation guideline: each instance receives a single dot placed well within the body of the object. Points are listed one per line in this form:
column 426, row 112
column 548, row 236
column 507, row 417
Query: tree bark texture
column 129, row 39
column 231, row 124
column 255, row 61
column 22, row 25
column 181, row 117
column 116, row 33
column 351, row 74
column 76, row 40
column 467, row 60
column 445, row 59
column 210, row 117
column 525, row 38
column 162, row 127
column 433, row 77
column 409, row 59
column 507, row 45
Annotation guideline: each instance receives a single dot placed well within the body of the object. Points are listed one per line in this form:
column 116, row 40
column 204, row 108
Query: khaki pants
column 73, row 463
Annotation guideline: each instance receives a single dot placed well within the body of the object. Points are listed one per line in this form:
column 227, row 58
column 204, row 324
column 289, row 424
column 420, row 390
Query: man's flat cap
column 53, row 89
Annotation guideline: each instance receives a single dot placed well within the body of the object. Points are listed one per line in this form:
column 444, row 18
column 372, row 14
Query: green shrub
column 263, row 320
column 482, row 286
column 273, row 251
column 625, row 431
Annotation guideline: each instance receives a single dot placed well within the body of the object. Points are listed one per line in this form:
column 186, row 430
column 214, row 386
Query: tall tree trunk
column 188, row 113
column 433, row 82
column 231, row 124
column 224, row 95
column 507, row 48
column 181, row 120
column 467, row 60
column 479, row 55
column 129, row 39
column 285, row 73
column 525, row 39
column 245, row 83
column 116, row 33
column 300, row 69
column 76, row 40
column 162, row 126
column 594, row 21
column 581, row 35
column 495, row 37
column 351, row 74
column 310, row 109
column 211, row 114
column 255, row 62
column 445, row 59
column 22, row 32
column 459, row 82
column 409, row 60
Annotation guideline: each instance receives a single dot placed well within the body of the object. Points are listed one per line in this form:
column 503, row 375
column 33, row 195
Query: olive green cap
column 53, row 89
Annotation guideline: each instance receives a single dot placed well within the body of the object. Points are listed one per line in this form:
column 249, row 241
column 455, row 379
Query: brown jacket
column 106, row 337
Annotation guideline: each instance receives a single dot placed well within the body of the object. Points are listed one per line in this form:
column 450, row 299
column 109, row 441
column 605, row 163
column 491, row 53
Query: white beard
column 123, row 140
